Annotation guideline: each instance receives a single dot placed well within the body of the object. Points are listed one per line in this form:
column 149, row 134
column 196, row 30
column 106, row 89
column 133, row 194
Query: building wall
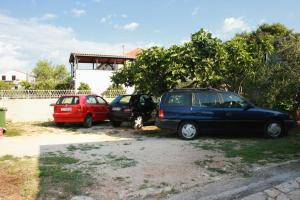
column 98, row 80
column 19, row 76
column 29, row 110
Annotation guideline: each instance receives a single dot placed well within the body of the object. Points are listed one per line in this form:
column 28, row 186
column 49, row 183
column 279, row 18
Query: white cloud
column 45, row 17
column 106, row 19
column 48, row 16
column 233, row 24
column 24, row 42
column 78, row 12
column 131, row 26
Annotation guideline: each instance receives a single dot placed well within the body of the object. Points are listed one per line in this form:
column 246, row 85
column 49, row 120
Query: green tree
column 199, row 62
column 83, row 86
column 26, row 85
column 5, row 85
column 50, row 77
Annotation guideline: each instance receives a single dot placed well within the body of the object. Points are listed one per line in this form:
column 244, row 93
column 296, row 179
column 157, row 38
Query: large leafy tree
column 50, row 77
column 263, row 65
column 199, row 62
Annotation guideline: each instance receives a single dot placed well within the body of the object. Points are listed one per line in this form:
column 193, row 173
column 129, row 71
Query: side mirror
column 52, row 104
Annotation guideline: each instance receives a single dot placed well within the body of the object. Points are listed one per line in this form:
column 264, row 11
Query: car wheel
column 116, row 123
column 274, row 129
column 88, row 121
column 137, row 122
column 188, row 130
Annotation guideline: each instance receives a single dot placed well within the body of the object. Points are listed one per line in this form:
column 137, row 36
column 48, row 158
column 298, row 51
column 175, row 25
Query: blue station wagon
column 191, row 112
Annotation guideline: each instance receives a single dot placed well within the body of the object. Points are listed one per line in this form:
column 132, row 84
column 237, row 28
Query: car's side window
column 91, row 100
column 100, row 100
column 178, row 99
column 230, row 100
column 206, row 99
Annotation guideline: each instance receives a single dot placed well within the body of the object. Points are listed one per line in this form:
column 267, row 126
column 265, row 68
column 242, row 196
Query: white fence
column 52, row 94
column 38, row 94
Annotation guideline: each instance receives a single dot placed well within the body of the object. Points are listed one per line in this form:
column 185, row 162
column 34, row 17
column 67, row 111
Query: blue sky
column 51, row 29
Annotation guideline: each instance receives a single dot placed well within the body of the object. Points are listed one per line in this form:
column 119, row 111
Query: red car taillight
column 161, row 114
column 127, row 110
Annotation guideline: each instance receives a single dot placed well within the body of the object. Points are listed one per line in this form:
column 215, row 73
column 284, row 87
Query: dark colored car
column 137, row 109
column 194, row 111
column 84, row 109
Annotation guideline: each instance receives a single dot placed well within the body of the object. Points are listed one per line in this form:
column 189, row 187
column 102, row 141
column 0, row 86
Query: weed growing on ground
column 83, row 147
column 119, row 161
column 59, row 180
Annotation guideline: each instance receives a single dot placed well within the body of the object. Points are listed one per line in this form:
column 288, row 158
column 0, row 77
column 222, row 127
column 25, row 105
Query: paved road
column 289, row 190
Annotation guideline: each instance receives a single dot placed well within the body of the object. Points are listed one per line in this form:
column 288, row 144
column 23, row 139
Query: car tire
column 137, row 123
column 88, row 121
column 116, row 123
column 188, row 130
column 274, row 129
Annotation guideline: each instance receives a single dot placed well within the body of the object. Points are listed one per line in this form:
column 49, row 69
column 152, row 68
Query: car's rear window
column 178, row 99
column 68, row 100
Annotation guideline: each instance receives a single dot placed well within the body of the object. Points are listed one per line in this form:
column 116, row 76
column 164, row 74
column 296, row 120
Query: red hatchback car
column 84, row 109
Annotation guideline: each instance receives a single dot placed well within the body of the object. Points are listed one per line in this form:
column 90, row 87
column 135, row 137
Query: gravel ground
column 126, row 164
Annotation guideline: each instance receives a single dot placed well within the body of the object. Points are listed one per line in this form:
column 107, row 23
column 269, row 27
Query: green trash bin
column 2, row 117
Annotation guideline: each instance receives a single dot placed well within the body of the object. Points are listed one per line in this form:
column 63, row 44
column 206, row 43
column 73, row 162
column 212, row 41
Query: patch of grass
column 19, row 178
column 69, row 126
column 144, row 185
column 218, row 170
column 257, row 150
column 59, row 181
column 203, row 163
column 83, row 147
column 8, row 157
column 58, row 160
column 165, row 194
column 120, row 161
column 13, row 129
column 97, row 163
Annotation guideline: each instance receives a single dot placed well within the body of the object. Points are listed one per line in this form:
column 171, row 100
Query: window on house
column 3, row 78
column 13, row 77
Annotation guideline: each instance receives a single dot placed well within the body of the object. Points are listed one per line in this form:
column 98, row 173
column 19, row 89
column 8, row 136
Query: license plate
column 116, row 108
column 66, row 109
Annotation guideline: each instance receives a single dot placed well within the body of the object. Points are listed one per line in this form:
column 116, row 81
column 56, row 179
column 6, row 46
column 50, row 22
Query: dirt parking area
column 108, row 163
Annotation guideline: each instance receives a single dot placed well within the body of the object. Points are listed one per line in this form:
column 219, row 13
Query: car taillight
column 161, row 114
column 127, row 110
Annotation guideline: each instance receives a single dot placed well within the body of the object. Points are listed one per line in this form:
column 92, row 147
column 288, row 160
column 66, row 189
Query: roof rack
column 184, row 89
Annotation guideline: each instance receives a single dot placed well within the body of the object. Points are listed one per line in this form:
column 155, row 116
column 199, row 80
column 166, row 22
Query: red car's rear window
column 70, row 100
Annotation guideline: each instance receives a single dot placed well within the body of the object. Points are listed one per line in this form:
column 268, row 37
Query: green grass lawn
column 257, row 149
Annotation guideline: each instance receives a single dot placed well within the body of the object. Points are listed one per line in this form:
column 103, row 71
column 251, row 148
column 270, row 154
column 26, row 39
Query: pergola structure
column 98, row 61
